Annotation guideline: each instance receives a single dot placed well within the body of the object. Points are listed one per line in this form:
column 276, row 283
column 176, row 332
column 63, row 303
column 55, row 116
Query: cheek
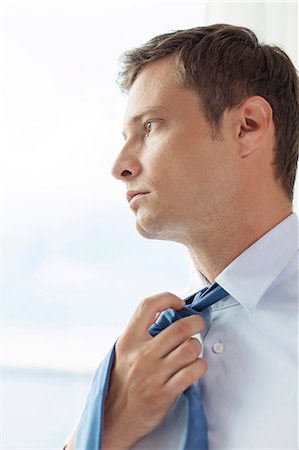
column 177, row 163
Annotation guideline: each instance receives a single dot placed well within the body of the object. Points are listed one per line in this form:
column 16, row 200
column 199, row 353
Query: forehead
column 155, row 88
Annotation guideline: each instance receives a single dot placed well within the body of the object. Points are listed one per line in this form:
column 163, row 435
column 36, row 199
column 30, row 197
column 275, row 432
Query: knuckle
column 195, row 371
column 198, row 322
column 154, row 298
column 189, row 325
column 189, row 378
column 193, row 348
column 149, row 302
column 197, row 344
column 123, row 345
column 181, row 326
column 201, row 367
column 145, row 307
column 146, row 303
column 166, row 294
column 205, row 365
column 188, row 351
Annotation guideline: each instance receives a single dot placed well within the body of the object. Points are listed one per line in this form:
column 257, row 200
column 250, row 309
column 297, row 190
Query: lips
column 132, row 194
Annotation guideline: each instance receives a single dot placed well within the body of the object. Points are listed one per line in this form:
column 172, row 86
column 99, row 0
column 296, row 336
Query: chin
column 153, row 229
column 147, row 232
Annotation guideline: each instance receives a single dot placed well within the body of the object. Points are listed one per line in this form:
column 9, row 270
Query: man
column 209, row 160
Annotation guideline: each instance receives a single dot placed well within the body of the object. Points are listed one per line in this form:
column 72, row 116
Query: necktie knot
column 195, row 304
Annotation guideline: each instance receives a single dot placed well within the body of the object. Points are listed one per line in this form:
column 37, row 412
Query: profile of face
column 177, row 174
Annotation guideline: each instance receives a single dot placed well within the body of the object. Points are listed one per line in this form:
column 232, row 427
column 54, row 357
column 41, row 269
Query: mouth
column 131, row 195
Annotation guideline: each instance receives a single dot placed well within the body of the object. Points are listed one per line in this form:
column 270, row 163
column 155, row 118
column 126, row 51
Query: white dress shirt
column 250, row 391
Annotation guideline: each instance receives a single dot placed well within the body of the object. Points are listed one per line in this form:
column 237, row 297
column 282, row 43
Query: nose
column 127, row 165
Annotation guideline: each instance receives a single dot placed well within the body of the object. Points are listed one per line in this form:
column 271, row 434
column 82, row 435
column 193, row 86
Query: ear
column 255, row 124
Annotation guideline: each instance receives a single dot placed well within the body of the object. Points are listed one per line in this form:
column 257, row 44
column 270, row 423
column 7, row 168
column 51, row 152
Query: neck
column 213, row 249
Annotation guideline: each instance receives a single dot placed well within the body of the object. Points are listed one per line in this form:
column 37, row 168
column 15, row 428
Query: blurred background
column 73, row 268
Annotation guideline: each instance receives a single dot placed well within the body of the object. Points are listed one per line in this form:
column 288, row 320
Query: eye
column 149, row 126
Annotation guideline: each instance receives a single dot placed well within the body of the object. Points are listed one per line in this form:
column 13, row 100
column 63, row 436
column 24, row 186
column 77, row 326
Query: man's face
column 183, row 175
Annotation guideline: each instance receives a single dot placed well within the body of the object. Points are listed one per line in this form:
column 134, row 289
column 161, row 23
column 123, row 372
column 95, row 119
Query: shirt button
column 218, row 347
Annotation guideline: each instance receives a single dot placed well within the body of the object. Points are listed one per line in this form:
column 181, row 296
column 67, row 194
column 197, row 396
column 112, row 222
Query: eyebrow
column 138, row 117
column 150, row 110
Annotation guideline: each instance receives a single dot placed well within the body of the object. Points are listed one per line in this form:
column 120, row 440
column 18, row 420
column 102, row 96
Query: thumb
column 149, row 309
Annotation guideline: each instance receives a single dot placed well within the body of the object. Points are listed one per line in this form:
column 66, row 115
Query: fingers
column 177, row 333
column 185, row 377
column 147, row 311
column 182, row 356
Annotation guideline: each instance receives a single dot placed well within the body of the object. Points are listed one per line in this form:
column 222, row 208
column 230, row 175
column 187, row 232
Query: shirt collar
column 249, row 276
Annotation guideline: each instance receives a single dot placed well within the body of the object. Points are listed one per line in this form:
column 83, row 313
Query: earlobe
column 255, row 119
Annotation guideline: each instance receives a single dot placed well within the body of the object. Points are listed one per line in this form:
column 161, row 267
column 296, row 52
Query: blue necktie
column 197, row 430
column 90, row 428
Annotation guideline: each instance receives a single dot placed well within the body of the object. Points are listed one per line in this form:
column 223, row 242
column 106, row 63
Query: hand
column 72, row 444
column 150, row 373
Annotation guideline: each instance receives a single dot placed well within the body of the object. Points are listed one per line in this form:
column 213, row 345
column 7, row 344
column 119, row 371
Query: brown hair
column 225, row 64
